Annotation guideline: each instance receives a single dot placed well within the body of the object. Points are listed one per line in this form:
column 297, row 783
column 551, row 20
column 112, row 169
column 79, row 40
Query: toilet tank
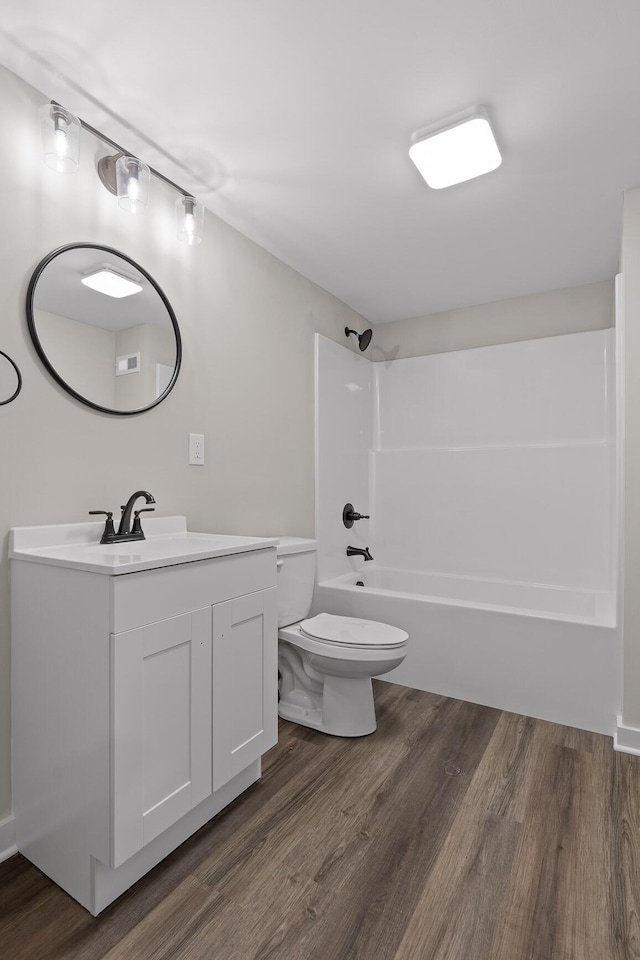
column 296, row 577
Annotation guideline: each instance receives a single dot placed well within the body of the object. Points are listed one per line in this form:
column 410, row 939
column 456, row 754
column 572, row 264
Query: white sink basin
column 167, row 542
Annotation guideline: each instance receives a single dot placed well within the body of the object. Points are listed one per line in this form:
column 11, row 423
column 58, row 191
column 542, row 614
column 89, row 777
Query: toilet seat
column 353, row 632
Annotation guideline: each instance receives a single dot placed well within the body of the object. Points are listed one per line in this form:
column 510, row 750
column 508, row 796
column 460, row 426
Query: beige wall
column 630, row 269
column 247, row 323
column 571, row 310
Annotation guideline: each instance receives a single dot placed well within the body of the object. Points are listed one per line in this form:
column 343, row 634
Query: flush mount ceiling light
column 460, row 149
column 108, row 281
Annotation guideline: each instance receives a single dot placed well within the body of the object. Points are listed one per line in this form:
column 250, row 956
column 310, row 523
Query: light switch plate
column 196, row 449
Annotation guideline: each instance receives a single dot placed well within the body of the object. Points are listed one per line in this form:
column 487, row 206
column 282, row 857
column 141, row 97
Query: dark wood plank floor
column 456, row 832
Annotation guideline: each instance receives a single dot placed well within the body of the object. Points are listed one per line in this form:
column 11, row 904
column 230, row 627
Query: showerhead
column 364, row 338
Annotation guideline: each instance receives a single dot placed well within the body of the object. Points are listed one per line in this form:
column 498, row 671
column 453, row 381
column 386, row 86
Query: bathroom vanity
column 144, row 693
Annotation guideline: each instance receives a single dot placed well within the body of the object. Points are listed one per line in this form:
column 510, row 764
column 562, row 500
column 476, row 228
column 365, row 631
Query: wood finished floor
column 456, row 832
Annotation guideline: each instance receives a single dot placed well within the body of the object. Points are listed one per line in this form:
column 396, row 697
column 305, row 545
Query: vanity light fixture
column 123, row 175
column 462, row 148
column 60, row 138
column 189, row 219
column 127, row 178
column 132, row 177
column 108, row 281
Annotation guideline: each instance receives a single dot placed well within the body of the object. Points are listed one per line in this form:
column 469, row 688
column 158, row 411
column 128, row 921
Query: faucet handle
column 349, row 515
column 137, row 527
column 108, row 526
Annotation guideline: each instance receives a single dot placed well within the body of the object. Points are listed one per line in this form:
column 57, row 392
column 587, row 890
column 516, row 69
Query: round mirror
column 10, row 379
column 103, row 328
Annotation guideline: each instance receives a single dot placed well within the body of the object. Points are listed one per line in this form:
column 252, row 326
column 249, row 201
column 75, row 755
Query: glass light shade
column 457, row 153
column 132, row 180
column 189, row 220
column 60, row 138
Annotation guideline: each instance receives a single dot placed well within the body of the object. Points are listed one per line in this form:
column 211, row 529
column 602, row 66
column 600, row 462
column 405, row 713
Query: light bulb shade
column 189, row 220
column 60, row 138
column 132, row 181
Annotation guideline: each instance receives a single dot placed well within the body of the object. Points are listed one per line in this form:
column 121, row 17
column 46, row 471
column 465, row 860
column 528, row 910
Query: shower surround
column 489, row 475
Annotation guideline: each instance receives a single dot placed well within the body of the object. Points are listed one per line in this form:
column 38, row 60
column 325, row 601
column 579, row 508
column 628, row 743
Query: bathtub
column 548, row 652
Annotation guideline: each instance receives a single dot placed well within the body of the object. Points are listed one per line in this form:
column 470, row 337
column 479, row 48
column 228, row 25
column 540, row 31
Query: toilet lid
column 353, row 632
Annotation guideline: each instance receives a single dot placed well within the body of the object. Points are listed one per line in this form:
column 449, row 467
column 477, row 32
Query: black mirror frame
column 18, row 375
column 40, row 350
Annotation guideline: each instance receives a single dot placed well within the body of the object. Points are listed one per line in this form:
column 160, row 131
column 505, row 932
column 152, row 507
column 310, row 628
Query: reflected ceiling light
column 108, row 281
column 60, row 138
column 458, row 150
column 190, row 219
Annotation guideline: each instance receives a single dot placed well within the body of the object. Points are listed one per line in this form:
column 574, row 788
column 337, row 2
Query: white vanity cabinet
column 161, row 727
column 143, row 700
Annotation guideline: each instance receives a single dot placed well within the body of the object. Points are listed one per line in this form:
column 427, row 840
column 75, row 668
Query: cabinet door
column 161, row 727
column 245, row 682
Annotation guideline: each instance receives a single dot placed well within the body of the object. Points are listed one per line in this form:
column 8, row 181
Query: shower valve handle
column 349, row 516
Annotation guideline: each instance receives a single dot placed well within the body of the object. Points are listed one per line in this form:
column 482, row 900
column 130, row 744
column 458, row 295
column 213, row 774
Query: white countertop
column 167, row 542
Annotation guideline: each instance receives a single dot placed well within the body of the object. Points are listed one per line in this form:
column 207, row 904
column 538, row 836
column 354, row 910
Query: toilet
column 326, row 663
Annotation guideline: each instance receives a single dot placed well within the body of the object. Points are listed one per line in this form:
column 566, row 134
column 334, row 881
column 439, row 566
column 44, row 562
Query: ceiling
column 292, row 122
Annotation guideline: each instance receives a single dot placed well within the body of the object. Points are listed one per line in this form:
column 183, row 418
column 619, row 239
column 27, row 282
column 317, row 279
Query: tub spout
column 359, row 552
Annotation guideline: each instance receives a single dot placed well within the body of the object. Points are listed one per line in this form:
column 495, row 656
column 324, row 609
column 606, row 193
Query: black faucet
column 124, row 529
column 359, row 552
column 125, row 532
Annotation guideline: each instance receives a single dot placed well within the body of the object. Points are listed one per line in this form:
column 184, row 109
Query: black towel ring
column 18, row 375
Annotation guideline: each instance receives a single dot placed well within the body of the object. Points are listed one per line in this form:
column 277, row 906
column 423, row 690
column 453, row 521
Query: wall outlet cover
column 196, row 449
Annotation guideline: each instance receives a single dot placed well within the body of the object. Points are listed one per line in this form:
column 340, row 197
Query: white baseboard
column 626, row 739
column 7, row 838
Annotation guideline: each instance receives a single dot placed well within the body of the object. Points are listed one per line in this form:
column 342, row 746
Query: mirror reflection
column 103, row 328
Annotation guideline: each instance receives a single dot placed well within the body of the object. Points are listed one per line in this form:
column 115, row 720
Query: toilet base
column 340, row 706
column 346, row 710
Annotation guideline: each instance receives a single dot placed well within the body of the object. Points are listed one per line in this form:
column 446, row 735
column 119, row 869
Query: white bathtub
column 544, row 651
